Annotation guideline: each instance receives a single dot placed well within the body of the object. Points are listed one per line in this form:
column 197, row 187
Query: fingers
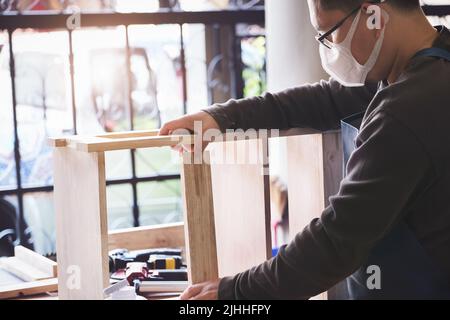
column 205, row 295
column 166, row 129
column 191, row 292
column 202, row 291
column 185, row 126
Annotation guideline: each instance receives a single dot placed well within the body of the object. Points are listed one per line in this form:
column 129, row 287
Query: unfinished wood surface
column 199, row 229
column 28, row 288
column 315, row 172
column 28, row 265
column 241, row 205
column 64, row 140
column 81, row 223
column 170, row 235
column 23, row 270
column 36, row 260
column 120, row 141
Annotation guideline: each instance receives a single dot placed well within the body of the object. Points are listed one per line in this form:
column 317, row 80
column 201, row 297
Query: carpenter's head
column 365, row 28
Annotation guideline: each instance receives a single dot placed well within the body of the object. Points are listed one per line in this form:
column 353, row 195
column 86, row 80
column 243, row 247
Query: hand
column 187, row 122
column 203, row 291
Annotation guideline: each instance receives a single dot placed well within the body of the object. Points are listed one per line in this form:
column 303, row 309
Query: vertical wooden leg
column 81, row 224
column 315, row 171
column 199, row 227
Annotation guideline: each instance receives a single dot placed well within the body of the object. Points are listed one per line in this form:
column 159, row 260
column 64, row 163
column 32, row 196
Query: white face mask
column 339, row 62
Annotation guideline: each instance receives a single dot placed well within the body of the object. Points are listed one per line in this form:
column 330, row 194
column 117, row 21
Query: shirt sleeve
column 387, row 171
column 320, row 106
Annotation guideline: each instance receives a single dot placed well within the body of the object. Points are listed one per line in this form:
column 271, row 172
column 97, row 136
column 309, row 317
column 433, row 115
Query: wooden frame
column 81, row 218
column 226, row 226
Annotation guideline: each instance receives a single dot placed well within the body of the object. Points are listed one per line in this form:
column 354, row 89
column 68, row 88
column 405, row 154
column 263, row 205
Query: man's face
column 363, row 41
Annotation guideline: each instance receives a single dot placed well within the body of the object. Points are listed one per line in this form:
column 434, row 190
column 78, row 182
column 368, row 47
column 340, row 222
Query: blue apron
column 405, row 269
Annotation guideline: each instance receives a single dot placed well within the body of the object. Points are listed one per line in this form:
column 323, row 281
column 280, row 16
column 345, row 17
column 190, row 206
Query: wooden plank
column 28, row 288
column 57, row 142
column 333, row 157
column 305, row 181
column 36, row 260
column 23, row 270
column 170, row 235
column 241, row 205
column 315, row 172
column 106, row 144
column 120, row 141
column 63, row 141
column 81, row 223
column 199, row 229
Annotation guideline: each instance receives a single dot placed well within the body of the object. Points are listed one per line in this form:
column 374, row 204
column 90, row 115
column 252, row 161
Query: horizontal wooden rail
column 168, row 235
column 120, row 141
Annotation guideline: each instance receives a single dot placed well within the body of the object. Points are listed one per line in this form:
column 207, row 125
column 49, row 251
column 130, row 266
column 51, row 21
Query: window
column 438, row 11
column 127, row 76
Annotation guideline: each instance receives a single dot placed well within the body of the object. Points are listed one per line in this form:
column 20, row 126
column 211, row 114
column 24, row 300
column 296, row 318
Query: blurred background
column 127, row 65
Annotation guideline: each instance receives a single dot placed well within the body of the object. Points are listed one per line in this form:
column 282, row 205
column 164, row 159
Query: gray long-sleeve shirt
column 400, row 171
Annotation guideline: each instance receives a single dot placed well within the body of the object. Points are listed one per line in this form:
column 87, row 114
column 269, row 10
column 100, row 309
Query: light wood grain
column 23, row 270
column 106, row 144
column 315, row 171
column 120, row 141
column 241, row 205
column 57, row 142
column 38, row 261
column 28, row 288
column 199, row 229
column 170, row 235
column 29, row 265
column 305, row 181
column 81, row 223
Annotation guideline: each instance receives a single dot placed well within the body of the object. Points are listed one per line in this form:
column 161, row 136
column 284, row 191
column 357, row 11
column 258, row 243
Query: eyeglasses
column 322, row 38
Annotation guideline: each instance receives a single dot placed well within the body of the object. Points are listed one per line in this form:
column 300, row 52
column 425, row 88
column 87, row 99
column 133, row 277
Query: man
column 392, row 212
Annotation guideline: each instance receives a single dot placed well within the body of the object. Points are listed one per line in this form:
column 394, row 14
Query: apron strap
column 434, row 52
